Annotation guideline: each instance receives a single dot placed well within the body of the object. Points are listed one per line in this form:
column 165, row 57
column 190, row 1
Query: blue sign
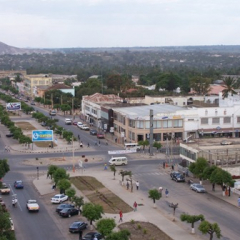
column 42, row 135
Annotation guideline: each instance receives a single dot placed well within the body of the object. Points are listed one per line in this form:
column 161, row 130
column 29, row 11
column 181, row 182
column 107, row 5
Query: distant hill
column 6, row 49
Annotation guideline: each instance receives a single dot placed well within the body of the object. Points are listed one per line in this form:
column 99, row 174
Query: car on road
column 74, row 123
column 9, row 135
column 4, row 189
column 18, row 184
column 59, row 198
column 91, row 235
column 225, row 142
column 68, row 121
column 177, row 176
column 32, row 206
column 68, row 212
column 75, row 227
column 93, row 132
column 32, row 103
column 100, row 135
column 64, row 205
column 79, row 124
column 197, row 187
column 84, row 127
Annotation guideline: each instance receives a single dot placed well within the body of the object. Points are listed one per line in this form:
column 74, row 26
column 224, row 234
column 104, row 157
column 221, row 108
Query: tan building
column 32, row 81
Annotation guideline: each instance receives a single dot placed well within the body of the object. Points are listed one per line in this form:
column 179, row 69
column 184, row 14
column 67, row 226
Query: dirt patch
column 144, row 231
column 98, row 194
column 25, row 126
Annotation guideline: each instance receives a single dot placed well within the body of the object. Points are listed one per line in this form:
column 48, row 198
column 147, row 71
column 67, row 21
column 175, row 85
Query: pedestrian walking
column 137, row 185
column 99, row 143
column 135, row 206
column 88, row 145
column 78, row 137
column 81, row 144
column 127, row 185
column 80, row 234
column 166, row 192
column 239, row 201
column 229, row 191
column 120, row 216
column 172, row 167
column 160, row 189
column 213, row 187
column 105, row 166
column 106, row 142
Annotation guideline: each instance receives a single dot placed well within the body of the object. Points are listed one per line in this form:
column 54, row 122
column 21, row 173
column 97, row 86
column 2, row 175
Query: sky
column 119, row 23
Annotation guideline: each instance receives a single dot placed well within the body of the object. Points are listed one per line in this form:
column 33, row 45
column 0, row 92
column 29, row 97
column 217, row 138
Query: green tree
column 157, row 145
column 154, row 194
column 60, row 173
column 121, row 235
column 65, row 107
column 63, row 185
column 4, row 167
column 200, row 85
column 105, row 226
column 221, row 177
column 125, row 173
column 92, row 212
column 51, row 170
column 229, row 85
column 113, row 169
column 70, row 192
column 198, row 167
column 191, row 219
column 207, row 172
column 210, row 228
column 78, row 201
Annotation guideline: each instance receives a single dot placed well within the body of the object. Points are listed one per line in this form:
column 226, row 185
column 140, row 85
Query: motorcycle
column 14, row 201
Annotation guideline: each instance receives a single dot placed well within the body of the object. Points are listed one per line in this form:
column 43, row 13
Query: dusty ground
column 144, row 231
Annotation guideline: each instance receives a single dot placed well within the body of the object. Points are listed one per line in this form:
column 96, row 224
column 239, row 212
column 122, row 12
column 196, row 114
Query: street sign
column 13, row 106
column 42, row 135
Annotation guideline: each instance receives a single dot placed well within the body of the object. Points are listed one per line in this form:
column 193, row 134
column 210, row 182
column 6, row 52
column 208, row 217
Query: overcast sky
column 119, row 23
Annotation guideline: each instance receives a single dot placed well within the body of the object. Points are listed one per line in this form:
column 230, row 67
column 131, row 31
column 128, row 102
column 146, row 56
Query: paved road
column 214, row 210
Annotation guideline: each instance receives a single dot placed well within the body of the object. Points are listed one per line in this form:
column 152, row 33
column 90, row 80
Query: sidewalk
column 145, row 212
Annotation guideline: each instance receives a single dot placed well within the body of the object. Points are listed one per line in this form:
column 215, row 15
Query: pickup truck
column 4, row 189
column 32, row 205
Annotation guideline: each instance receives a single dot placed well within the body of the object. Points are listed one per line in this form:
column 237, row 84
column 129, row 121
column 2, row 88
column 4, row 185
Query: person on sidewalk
column 160, row 189
column 166, row 192
column 135, row 206
column 120, row 216
column 127, row 185
column 105, row 166
column 137, row 185
column 229, row 191
column 213, row 187
column 239, row 201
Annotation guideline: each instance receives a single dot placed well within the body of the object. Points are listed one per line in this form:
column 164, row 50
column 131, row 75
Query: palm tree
column 230, row 84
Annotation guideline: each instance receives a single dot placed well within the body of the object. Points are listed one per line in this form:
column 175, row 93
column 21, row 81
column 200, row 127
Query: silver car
column 197, row 187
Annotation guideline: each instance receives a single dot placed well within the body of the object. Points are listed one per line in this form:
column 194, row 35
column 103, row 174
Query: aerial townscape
column 119, row 120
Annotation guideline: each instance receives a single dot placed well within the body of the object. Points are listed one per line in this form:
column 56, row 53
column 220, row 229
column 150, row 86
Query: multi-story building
column 32, row 81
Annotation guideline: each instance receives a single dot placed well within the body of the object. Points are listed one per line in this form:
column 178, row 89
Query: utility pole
column 52, row 99
column 151, row 134
column 73, row 167
column 72, row 107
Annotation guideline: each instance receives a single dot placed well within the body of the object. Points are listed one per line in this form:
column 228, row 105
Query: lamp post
column 37, row 173
column 73, row 167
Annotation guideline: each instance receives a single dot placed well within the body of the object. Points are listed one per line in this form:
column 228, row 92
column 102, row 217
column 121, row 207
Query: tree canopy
column 92, row 212
column 210, row 228
column 105, row 226
column 154, row 194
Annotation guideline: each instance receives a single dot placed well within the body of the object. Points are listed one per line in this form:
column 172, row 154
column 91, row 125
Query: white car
column 68, row 121
column 79, row 124
column 59, row 198
column 84, row 127
column 32, row 205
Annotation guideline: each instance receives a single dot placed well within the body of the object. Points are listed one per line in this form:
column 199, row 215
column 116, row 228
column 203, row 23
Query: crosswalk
column 153, row 173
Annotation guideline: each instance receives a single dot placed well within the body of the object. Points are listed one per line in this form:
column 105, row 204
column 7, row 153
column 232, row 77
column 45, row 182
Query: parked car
column 91, row 235
column 18, row 184
column 64, row 205
column 79, row 124
column 74, row 123
column 84, row 127
column 100, row 135
column 68, row 212
column 59, row 198
column 93, row 132
column 225, row 142
column 75, row 227
column 9, row 135
column 32, row 103
column 177, row 176
column 197, row 187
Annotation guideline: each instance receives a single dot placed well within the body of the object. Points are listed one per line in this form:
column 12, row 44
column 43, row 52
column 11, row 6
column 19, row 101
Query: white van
column 117, row 161
column 132, row 146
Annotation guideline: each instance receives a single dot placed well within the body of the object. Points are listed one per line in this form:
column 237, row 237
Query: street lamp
column 37, row 173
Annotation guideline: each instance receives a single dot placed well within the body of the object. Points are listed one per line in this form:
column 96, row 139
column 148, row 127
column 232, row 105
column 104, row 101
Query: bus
column 132, row 146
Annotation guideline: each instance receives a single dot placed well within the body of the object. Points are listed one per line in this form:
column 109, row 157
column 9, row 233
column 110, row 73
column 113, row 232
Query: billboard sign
column 42, row 135
column 122, row 151
column 13, row 106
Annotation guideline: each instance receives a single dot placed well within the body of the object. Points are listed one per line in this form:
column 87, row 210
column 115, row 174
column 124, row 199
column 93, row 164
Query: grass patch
column 25, row 126
column 97, row 193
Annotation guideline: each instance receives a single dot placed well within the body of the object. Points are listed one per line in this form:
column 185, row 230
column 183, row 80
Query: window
column 132, row 123
column 238, row 119
column 177, row 123
column 139, row 124
column 226, row 120
column 204, row 120
column 215, row 120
